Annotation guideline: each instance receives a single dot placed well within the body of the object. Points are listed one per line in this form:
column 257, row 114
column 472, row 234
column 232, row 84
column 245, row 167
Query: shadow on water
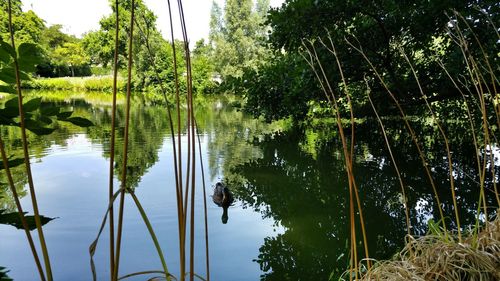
column 296, row 179
column 307, row 195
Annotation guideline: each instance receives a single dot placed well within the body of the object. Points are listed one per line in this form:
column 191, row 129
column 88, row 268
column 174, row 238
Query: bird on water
column 223, row 197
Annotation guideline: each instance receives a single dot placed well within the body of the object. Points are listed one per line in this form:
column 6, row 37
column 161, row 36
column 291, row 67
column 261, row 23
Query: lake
column 290, row 218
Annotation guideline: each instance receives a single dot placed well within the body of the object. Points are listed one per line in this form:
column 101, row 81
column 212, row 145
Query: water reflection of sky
column 71, row 183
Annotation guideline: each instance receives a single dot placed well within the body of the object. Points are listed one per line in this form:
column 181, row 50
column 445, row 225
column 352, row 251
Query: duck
column 223, row 197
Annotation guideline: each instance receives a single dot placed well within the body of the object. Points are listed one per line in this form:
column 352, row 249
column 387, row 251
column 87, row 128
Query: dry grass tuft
column 433, row 258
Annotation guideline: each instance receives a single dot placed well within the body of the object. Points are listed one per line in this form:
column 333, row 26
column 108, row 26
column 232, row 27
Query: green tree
column 382, row 28
column 71, row 54
column 62, row 54
column 237, row 36
column 203, row 68
column 28, row 27
column 53, row 37
column 100, row 44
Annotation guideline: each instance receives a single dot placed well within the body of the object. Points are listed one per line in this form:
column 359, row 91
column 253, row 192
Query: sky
column 80, row 16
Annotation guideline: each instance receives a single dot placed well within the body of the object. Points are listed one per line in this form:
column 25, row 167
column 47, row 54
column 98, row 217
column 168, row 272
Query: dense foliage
column 62, row 53
column 237, row 36
column 152, row 55
column 67, row 55
column 385, row 31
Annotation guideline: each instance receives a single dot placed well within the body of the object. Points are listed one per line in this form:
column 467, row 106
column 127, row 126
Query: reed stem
column 41, row 237
column 125, row 144
column 20, row 211
column 112, row 148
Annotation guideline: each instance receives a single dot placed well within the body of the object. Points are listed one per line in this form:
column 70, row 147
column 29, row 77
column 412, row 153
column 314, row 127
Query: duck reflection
column 223, row 198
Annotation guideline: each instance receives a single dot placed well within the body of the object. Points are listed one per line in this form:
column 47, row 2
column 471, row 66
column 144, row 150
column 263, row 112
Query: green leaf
column 45, row 120
column 9, row 112
column 7, row 89
column 37, row 127
column 32, row 104
column 12, row 103
column 81, row 122
column 29, row 56
column 50, row 111
column 6, row 52
column 14, row 220
column 8, row 75
column 64, row 115
column 13, row 163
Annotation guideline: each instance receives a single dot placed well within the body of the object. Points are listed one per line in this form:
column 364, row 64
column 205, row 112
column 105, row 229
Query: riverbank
column 90, row 83
column 439, row 257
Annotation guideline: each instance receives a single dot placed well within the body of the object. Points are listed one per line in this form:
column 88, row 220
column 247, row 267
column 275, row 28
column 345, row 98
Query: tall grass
column 91, row 83
column 185, row 194
column 184, row 206
column 41, row 237
column 465, row 257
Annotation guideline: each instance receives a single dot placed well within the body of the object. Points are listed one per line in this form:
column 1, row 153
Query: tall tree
column 237, row 37
column 382, row 29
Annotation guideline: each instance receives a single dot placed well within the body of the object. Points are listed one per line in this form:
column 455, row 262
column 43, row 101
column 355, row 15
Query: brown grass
column 432, row 258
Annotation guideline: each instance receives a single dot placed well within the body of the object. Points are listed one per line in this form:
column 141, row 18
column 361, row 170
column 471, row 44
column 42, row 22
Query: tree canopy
column 385, row 31
column 237, row 36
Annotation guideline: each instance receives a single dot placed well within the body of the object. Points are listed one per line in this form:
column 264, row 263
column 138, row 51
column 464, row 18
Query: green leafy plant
column 15, row 66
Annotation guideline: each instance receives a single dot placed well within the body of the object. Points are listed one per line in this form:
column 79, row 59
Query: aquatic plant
column 15, row 65
column 185, row 194
column 478, row 88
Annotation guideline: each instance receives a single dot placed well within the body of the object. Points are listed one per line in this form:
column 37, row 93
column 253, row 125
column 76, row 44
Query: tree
column 52, row 36
column 28, row 27
column 203, row 68
column 237, row 36
column 383, row 29
column 71, row 54
column 152, row 55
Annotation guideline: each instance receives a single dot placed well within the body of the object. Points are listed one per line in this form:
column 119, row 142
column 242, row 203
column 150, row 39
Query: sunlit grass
column 91, row 83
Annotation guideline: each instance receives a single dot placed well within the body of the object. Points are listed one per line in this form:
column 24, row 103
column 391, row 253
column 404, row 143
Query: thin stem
column 410, row 129
column 179, row 188
column 333, row 101
column 24, row 138
column 358, row 201
column 112, row 149
column 446, row 143
column 474, row 139
column 151, row 233
column 20, row 211
column 396, row 168
column 207, row 256
column 191, row 135
column 125, row 144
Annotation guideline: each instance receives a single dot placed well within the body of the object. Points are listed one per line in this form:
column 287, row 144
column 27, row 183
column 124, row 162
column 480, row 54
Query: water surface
column 289, row 221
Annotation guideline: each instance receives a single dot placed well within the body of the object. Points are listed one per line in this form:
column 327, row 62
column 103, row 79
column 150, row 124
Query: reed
column 125, row 146
column 112, row 148
column 182, row 194
column 41, row 237
column 314, row 61
column 442, row 254
column 20, row 211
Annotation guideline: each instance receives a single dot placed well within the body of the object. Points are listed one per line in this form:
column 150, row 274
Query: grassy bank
column 439, row 257
column 91, row 83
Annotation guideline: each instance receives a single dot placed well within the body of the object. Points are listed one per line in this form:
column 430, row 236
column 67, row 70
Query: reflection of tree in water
column 148, row 127
column 146, row 137
column 229, row 134
column 308, row 196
